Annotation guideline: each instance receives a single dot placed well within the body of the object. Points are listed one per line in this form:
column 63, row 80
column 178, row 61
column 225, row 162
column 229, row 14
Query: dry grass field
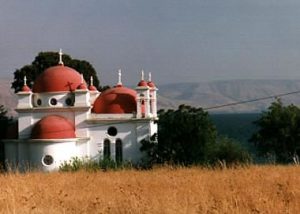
column 256, row 189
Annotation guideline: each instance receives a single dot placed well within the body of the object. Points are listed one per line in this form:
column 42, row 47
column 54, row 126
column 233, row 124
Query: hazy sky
column 177, row 40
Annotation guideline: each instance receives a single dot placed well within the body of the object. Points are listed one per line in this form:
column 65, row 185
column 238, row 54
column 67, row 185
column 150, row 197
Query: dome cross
column 25, row 80
column 150, row 77
column 119, row 77
column 60, row 53
column 142, row 75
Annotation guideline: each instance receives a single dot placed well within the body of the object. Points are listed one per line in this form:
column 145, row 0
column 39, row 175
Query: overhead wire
column 250, row 100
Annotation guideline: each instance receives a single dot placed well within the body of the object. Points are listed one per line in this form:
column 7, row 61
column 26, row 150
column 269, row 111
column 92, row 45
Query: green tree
column 227, row 151
column 45, row 60
column 3, row 112
column 4, row 123
column 279, row 132
column 184, row 135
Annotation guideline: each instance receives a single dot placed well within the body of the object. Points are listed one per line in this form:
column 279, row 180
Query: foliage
column 183, row 137
column 76, row 163
column 86, row 164
column 279, row 132
column 3, row 112
column 4, row 121
column 228, row 152
column 45, row 60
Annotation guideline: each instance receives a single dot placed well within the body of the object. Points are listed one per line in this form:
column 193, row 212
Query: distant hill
column 205, row 94
column 210, row 94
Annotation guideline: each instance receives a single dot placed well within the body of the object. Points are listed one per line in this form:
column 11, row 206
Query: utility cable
column 250, row 101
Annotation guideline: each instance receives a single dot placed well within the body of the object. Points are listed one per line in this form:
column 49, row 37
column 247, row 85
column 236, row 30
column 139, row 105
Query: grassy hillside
column 264, row 189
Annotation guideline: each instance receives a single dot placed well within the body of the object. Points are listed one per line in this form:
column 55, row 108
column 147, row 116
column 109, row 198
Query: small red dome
column 53, row 127
column 151, row 84
column 142, row 83
column 82, row 86
column 57, row 78
column 25, row 88
column 92, row 88
column 117, row 100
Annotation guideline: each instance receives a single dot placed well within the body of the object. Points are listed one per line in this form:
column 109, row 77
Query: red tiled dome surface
column 57, row 78
column 92, row 88
column 82, row 86
column 151, row 84
column 25, row 88
column 53, row 127
column 116, row 100
column 142, row 83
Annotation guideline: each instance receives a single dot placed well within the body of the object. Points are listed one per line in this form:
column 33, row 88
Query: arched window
column 106, row 149
column 119, row 151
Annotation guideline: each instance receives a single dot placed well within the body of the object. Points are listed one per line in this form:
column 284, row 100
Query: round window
column 53, row 101
column 39, row 102
column 112, row 131
column 69, row 101
column 47, row 160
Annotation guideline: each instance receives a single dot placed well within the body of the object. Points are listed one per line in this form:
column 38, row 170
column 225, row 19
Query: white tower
column 143, row 98
column 153, row 96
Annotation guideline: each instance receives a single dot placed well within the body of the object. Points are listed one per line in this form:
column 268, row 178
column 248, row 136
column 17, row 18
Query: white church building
column 62, row 117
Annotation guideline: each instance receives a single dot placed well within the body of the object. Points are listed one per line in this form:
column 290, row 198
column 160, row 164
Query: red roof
column 57, row 78
column 92, row 88
column 142, row 83
column 82, row 86
column 53, row 127
column 117, row 100
column 25, row 88
column 151, row 84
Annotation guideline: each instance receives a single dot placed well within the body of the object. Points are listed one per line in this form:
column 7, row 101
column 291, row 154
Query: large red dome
column 57, row 78
column 53, row 127
column 117, row 100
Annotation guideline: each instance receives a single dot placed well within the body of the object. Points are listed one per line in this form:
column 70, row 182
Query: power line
column 251, row 100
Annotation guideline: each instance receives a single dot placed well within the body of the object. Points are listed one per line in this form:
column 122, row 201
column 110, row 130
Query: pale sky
column 176, row 40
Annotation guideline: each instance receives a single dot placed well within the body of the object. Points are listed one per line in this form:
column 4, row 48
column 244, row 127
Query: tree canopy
column 45, row 60
column 279, row 132
column 183, row 136
column 188, row 136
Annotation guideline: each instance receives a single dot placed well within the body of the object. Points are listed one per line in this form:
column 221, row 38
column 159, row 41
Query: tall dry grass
column 257, row 189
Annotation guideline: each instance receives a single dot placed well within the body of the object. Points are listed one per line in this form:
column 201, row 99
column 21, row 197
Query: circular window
column 39, row 102
column 47, row 160
column 112, row 131
column 53, row 101
column 69, row 101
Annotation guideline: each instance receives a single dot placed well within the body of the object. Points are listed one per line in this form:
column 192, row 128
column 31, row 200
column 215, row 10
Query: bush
column 278, row 132
column 228, row 152
column 76, row 164
column 183, row 136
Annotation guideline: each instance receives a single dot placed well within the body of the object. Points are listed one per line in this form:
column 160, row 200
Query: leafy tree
column 229, row 152
column 4, row 122
column 3, row 112
column 45, row 60
column 184, row 136
column 279, row 132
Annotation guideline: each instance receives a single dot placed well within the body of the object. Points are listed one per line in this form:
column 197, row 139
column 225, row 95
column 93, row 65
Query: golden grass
column 257, row 189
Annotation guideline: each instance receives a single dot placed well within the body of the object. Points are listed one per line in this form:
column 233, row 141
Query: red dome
column 116, row 100
column 53, row 127
column 151, row 84
column 92, row 88
column 25, row 88
column 82, row 86
column 57, row 78
column 142, row 83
